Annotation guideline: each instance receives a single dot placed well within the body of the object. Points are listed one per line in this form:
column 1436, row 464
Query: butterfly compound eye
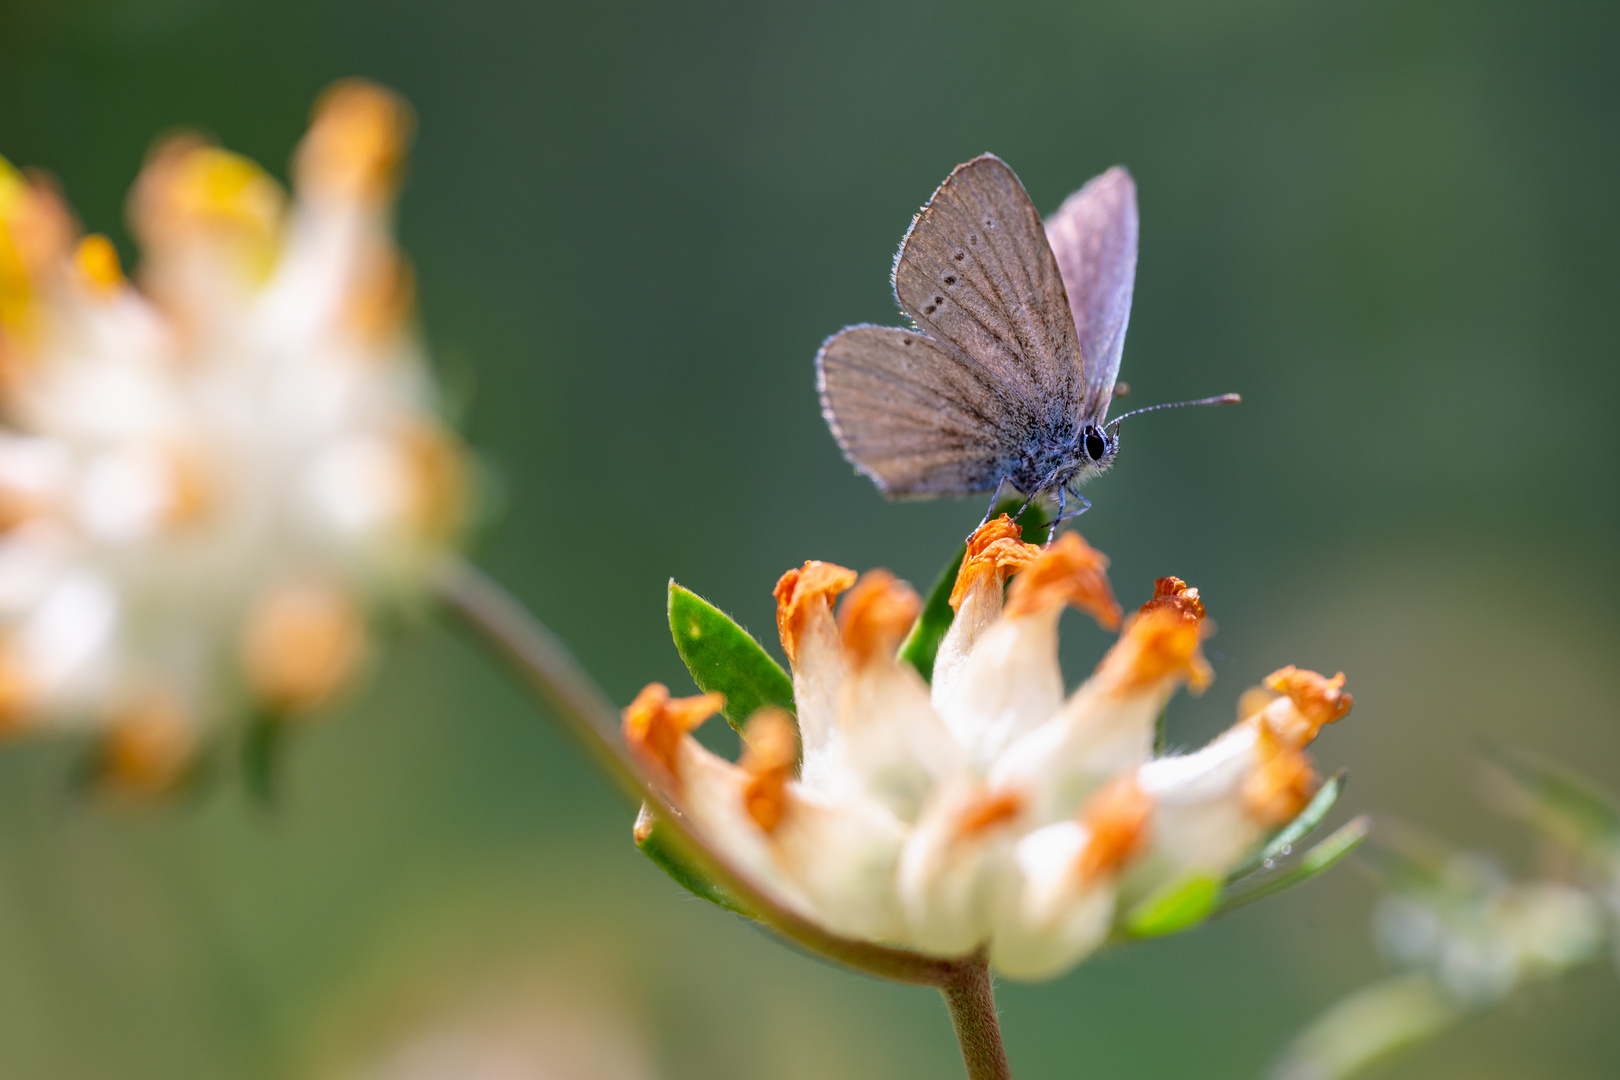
column 1096, row 445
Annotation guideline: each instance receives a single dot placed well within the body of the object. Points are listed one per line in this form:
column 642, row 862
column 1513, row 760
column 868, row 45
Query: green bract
column 660, row 844
column 1175, row 905
column 724, row 658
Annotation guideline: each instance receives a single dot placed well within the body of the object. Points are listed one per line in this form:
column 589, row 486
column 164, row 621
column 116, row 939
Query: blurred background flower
column 1391, row 227
column 1466, row 934
column 211, row 481
column 544, row 1025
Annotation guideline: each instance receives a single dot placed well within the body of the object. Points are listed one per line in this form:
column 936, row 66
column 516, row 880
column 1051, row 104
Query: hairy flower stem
column 972, row 1002
column 584, row 711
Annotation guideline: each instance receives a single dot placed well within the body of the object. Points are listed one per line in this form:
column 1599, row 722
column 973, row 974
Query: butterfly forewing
column 1094, row 237
column 913, row 414
column 976, row 270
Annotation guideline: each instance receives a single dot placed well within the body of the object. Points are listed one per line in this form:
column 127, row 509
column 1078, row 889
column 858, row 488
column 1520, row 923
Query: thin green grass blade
column 1566, row 808
column 1279, row 843
column 1341, row 842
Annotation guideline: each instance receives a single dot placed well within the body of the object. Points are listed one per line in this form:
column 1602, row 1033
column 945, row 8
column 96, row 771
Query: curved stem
column 585, row 712
column 972, row 1002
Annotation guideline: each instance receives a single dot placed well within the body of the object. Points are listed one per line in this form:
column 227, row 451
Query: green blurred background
column 1391, row 226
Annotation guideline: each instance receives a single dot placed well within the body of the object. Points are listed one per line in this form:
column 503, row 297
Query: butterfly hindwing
column 913, row 414
column 975, row 270
column 1094, row 238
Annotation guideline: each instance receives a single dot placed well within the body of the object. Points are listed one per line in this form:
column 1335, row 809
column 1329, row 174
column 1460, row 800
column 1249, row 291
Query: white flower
column 987, row 810
column 209, row 480
column 1480, row 935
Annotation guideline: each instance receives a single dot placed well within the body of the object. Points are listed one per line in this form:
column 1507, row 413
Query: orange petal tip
column 797, row 594
column 1320, row 700
column 995, row 548
column 654, row 723
column 876, row 615
column 1173, row 594
column 1068, row 571
column 356, row 140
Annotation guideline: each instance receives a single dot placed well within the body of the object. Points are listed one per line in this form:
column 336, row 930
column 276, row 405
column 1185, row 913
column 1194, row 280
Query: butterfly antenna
column 1218, row 399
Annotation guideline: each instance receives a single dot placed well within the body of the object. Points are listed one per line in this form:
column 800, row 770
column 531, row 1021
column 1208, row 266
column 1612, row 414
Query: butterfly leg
column 995, row 497
column 1085, row 504
column 1025, row 506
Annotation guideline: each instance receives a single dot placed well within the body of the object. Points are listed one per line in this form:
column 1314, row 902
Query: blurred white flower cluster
column 988, row 809
column 1479, row 935
column 208, row 481
column 514, row 1032
column 1464, row 934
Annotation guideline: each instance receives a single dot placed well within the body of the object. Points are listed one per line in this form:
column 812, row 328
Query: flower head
column 210, row 478
column 989, row 809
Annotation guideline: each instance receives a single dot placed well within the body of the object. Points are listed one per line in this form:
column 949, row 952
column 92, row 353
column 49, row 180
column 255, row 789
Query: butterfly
column 1020, row 328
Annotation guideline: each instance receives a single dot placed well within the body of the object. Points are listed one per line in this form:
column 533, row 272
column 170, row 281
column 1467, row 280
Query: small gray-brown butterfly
column 1021, row 331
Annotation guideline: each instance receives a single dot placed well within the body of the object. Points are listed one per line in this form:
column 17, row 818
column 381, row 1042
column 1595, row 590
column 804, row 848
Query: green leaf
column 1175, row 905
column 725, row 658
column 1339, row 843
column 664, row 847
column 1281, row 841
column 922, row 643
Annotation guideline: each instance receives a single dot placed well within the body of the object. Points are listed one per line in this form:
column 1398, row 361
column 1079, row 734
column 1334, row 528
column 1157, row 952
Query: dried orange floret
column 1067, row 572
column 1320, row 700
column 1158, row 644
column 1118, row 817
column 995, row 548
column 148, row 744
column 654, row 723
column 1173, row 594
column 302, row 642
column 876, row 615
column 798, row 591
column 97, row 263
column 772, row 749
column 355, row 142
column 189, row 187
column 1281, row 784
